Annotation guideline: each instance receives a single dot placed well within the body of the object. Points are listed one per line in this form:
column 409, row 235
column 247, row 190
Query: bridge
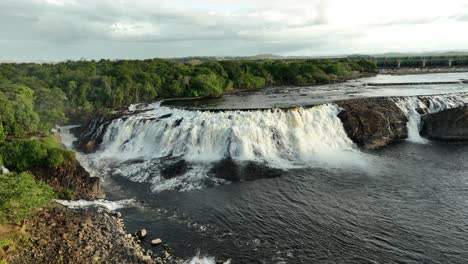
column 420, row 61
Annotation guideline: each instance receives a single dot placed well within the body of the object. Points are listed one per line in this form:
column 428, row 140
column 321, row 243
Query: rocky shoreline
column 61, row 235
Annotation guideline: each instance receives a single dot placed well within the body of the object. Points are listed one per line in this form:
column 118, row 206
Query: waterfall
column 415, row 107
column 273, row 136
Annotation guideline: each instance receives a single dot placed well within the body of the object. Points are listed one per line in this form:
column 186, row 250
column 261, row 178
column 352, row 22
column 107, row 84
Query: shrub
column 23, row 155
column 66, row 195
column 55, row 158
column 19, row 193
column 2, row 134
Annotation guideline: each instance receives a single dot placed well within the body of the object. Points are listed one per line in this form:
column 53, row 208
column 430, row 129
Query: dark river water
column 311, row 195
column 410, row 206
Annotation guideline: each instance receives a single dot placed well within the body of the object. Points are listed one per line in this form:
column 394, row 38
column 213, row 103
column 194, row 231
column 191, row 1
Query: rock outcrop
column 231, row 170
column 61, row 235
column 91, row 133
column 71, row 176
column 175, row 169
column 451, row 125
column 373, row 123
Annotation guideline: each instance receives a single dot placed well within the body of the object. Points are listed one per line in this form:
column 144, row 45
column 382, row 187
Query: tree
column 207, row 85
column 2, row 134
column 49, row 104
column 17, row 109
column 248, row 81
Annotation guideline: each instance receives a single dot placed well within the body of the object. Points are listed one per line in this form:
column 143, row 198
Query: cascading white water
column 414, row 107
column 275, row 136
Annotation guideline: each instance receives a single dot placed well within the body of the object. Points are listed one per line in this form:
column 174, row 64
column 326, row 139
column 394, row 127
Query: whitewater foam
column 198, row 259
column 415, row 107
column 138, row 147
column 109, row 205
column 275, row 137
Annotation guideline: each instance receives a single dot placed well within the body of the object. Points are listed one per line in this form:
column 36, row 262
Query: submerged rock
column 451, row 124
column 175, row 169
column 231, row 170
column 373, row 122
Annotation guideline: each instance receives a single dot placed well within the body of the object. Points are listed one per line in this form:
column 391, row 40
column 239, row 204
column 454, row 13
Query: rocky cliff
column 373, row 123
column 451, row 124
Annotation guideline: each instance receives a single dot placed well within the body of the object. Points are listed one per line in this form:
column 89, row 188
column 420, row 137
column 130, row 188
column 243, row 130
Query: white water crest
column 415, row 107
column 139, row 146
column 275, row 136
column 198, row 259
column 109, row 205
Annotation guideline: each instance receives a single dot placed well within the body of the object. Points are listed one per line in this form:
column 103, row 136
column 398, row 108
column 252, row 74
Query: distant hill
column 420, row 54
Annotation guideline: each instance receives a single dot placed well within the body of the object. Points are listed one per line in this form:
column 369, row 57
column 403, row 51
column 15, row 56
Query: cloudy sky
column 32, row 30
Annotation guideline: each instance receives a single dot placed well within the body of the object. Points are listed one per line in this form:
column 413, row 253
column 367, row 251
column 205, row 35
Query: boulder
column 175, row 169
column 156, row 242
column 90, row 146
column 141, row 233
column 373, row 123
column 450, row 125
column 231, row 170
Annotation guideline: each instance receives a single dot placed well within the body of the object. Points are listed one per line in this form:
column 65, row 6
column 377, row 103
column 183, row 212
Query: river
column 288, row 186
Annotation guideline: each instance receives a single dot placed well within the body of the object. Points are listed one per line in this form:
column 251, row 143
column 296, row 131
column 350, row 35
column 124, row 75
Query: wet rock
column 156, row 242
column 177, row 122
column 175, row 169
column 94, row 184
column 71, row 177
column 165, row 116
column 232, row 170
column 373, row 122
column 141, row 233
column 450, row 125
column 90, row 146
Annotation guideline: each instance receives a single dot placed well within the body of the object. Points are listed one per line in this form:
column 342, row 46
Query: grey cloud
column 35, row 29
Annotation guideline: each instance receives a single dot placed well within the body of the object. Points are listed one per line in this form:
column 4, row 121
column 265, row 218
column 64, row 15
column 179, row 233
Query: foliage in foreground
column 22, row 155
column 19, row 193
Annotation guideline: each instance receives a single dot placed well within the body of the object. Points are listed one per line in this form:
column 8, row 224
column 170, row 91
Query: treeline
column 105, row 84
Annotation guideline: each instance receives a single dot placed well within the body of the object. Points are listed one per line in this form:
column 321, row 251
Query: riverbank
column 61, row 235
